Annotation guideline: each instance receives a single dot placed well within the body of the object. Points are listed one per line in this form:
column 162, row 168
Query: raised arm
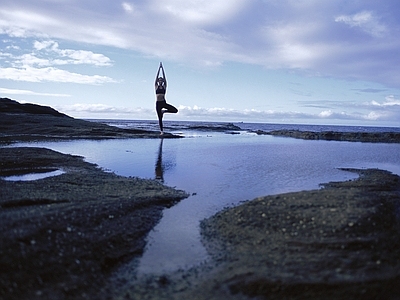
column 156, row 83
column 158, row 74
column 163, row 74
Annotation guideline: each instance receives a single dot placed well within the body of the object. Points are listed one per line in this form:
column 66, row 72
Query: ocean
column 222, row 165
column 176, row 126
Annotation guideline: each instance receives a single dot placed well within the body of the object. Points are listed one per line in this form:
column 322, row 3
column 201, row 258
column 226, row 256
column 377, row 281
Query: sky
column 273, row 61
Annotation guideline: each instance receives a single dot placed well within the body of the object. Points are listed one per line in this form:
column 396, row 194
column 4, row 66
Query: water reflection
column 163, row 165
column 159, row 164
column 33, row 176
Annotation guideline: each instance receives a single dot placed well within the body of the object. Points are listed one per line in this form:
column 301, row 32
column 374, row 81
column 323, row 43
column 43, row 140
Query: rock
column 62, row 236
column 370, row 137
column 12, row 106
column 31, row 122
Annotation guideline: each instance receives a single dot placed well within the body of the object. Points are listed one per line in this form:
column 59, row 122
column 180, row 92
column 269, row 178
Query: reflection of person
column 159, row 166
column 162, row 106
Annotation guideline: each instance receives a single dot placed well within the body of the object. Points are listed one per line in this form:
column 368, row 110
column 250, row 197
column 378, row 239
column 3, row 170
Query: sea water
column 221, row 169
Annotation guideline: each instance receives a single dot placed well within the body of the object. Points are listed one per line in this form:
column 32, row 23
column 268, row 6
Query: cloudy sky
column 275, row 61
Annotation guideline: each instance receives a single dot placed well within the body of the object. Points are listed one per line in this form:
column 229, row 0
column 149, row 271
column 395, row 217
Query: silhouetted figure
column 162, row 106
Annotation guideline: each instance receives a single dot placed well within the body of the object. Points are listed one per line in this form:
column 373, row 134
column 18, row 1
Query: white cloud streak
column 390, row 101
column 30, row 93
column 51, row 74
column 230, row 115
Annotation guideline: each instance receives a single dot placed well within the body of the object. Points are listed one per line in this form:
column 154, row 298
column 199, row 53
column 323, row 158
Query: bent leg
column 170, row 109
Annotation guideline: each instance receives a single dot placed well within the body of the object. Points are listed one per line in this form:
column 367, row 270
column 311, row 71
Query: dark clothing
column 160, row 90
column 168, row 108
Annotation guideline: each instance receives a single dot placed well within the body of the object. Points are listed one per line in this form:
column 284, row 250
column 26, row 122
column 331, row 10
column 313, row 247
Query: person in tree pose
column 162, row 106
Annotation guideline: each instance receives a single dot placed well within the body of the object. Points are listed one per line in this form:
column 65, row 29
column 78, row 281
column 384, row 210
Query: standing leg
column 159, row 106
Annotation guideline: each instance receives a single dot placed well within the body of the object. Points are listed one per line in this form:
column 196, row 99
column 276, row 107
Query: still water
column 221, row 170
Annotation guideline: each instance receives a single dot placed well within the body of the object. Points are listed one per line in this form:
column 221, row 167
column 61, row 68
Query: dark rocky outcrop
column 12, row 106
column 31, row 122
column 370, row 137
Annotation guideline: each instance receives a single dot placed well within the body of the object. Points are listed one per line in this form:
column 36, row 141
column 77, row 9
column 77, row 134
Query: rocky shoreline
column 69, row 236
column 339, row 242
column 30, row 122
column 370, row 137
column 63, row 235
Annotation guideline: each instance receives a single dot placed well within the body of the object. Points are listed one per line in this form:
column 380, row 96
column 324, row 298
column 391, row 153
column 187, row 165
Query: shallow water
column 221, row 170
column 32, row 176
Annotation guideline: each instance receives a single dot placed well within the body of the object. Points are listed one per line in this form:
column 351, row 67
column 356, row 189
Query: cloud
column 50, row 74
column 369, row 90
column 42, row 62
column 195, row 112
column 390, row 101
column 30, row 93
column 365, row 20
column 387, row 110
column 270, row 115
column 200, row 11
column 99, row 108
column 374, row 116
column 74, row 57
column 32, row 21
column 45, row 44
column 128, row 7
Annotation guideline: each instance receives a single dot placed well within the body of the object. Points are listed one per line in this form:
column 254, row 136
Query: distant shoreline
column 365, row 137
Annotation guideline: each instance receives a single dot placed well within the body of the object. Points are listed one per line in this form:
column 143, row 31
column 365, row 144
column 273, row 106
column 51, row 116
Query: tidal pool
column 220, row 170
